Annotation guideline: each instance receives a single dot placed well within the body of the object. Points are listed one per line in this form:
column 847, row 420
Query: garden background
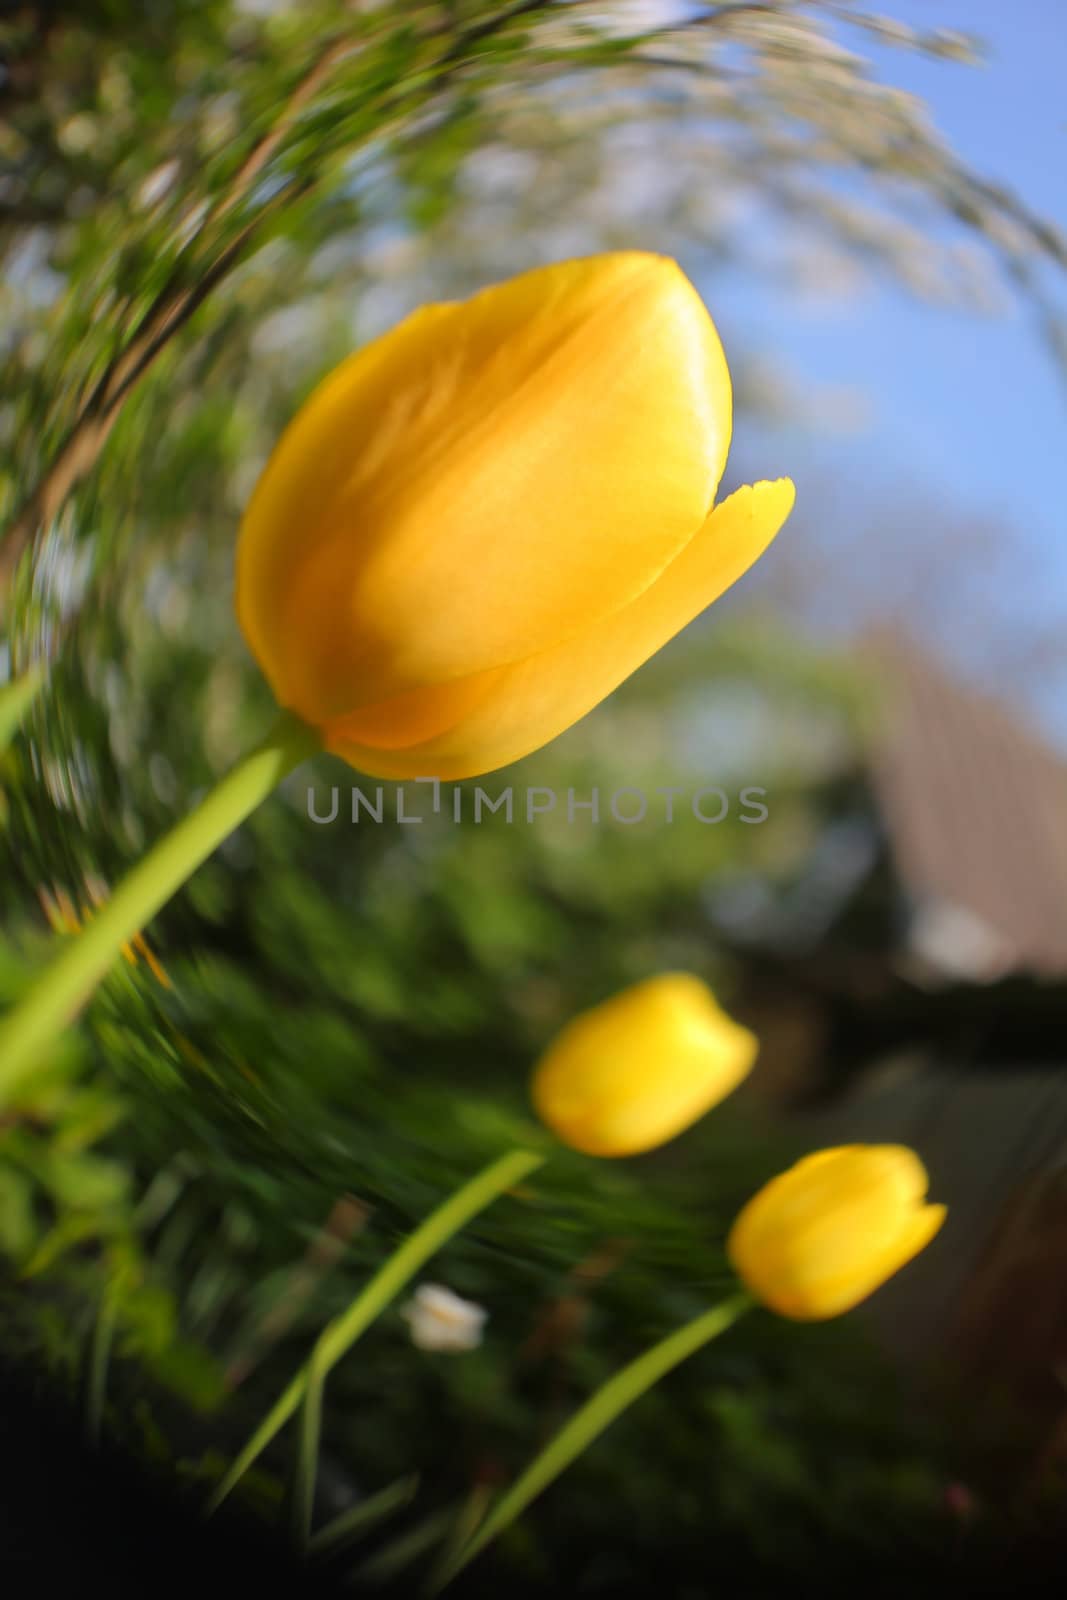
column 204, row 206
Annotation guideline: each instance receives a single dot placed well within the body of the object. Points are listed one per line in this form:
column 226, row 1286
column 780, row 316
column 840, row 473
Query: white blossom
column 441, row 1320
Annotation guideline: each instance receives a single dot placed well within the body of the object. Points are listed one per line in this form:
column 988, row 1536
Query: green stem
column 590, row 1421
column 338, row 1337
column 57, row 995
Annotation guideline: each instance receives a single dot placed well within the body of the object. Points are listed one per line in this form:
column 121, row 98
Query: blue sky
column 965, row 410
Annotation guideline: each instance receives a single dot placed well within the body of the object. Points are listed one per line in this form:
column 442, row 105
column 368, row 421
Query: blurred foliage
column 203, row 206
column 159, row 156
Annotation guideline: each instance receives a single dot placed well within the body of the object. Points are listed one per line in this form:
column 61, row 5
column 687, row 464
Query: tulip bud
column 820, row 1238
column 485, row 520
column 638, row 1069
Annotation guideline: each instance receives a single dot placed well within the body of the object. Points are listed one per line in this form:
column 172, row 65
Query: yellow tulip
column 638, row 1069
column 820, row 1238
column 485, row 520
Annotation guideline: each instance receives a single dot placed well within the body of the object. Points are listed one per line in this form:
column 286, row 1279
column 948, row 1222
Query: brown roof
column 975, row 804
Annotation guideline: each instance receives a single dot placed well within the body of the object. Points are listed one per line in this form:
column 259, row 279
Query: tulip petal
column 823, row 1297
column 831, row 1208
column 501, row 716
column 484, row 481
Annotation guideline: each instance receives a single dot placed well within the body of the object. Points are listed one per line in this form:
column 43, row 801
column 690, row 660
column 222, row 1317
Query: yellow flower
column 485, row 520
column 638, row 1069
column 820, row 1238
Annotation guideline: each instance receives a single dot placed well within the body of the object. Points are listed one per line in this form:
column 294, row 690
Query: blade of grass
column 360, row 1519
column 403, row 1551
column 471, row 1516
column 309, row 1428
column 99, row 1360
column 16, row 698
